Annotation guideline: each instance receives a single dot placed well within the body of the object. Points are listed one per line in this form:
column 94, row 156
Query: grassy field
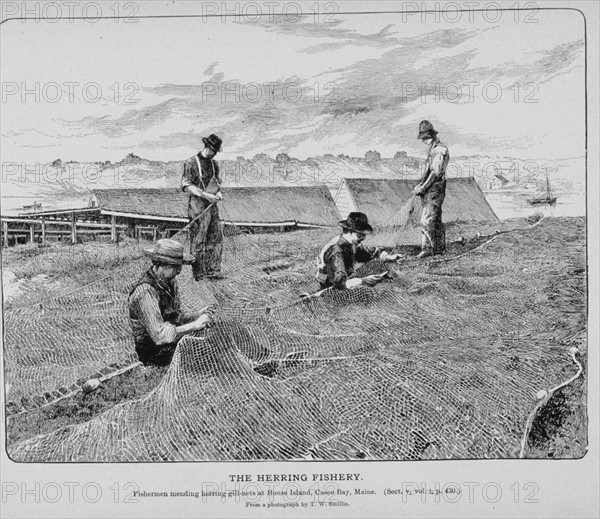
column 270, row 270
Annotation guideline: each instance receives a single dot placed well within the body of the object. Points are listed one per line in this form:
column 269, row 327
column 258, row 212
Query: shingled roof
column 170, row 203
column 304, row 205
column 382, row 199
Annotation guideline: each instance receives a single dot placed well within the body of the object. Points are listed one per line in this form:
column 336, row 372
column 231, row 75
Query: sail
column 548, row 190
column 544, row 197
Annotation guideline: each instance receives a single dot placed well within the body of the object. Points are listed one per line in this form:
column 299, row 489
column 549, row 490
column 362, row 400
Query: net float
column 90, row 385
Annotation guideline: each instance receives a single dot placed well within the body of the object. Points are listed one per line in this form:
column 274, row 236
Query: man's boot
column 213, row 261
column 426, row 245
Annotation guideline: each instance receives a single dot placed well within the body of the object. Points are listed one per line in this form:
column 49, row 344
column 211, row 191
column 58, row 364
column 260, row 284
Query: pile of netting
column 442, row 361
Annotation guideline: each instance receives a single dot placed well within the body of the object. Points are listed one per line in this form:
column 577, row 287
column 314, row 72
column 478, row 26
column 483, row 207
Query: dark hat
column 169, row 252
column 426, row 130
column 356, row 222
column 213, row 142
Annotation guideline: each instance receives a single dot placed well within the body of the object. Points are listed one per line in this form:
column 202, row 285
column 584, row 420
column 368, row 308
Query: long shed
column 271, row 206
column 152, row 212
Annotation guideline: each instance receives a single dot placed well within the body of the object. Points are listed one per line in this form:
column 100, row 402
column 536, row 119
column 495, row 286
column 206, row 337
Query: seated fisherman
column 158, row 321
column 337, row 259
column 155, row 313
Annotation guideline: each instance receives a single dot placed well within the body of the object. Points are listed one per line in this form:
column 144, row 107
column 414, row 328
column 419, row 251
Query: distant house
column 383, row 199
column 499, row 181
column 132, row 159
column 372, row 156
column 36, row 206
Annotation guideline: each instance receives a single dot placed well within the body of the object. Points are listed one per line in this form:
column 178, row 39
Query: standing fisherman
column 432, row 190
column 201, row 180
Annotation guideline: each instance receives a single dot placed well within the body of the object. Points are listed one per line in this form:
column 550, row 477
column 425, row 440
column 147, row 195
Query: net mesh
column 442, row 361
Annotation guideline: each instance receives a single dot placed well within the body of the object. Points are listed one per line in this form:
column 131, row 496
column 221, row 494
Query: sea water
column 513, row 204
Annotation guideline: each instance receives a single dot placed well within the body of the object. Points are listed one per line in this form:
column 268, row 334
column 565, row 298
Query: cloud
column 382, row 39
column 132, row 120
column 170, row 141
column 211, row 69
column 362, row 101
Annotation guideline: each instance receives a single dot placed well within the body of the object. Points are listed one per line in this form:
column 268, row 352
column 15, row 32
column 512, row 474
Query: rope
column 196, row 218
column 79, row 389
column 572, row 352
column 487, row 242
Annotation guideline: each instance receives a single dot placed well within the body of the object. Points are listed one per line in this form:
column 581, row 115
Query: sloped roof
column 382, row 199
column 150, row 202
column 310, row 205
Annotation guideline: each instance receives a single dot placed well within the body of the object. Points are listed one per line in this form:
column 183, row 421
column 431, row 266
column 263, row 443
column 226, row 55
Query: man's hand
column 354, row 282
column 212, row 198
column 371, row 281
column 418, row 189
column 386, row 256
column 204, row 321
column 396, row 257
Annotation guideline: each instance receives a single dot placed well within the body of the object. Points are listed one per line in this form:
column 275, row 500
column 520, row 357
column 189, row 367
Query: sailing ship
column 545, row 197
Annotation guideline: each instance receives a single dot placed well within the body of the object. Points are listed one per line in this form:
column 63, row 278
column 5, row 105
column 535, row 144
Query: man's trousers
column 206, row 244
column 433, row 232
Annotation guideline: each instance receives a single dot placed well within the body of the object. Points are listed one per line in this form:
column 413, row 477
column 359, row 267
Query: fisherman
column 202, row 181
column 158, row 321
column 155, row 313
column 337, row 259
column 432, row 190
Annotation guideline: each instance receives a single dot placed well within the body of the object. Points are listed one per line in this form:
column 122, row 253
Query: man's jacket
column 336, row 260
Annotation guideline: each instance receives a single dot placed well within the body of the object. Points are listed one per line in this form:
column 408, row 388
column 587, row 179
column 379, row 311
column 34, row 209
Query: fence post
column 73, row 229
column 43, row 231
column 31, row 233
column 113, row 228
column 5, row 233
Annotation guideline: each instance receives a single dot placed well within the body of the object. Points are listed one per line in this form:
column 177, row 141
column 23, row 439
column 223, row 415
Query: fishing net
column 442, row 361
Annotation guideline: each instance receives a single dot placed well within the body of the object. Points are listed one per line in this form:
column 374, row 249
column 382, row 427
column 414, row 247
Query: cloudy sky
column 339, row 84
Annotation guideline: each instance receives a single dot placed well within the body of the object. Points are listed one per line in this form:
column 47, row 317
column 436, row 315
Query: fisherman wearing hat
column 201, row 180
column 155, row 313
column 432, row 190
column 336, row 260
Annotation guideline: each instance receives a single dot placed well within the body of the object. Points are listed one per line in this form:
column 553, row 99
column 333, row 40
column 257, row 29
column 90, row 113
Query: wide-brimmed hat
column 169, row 252
column 213, row 142
column 426, row 129
column 356, row 222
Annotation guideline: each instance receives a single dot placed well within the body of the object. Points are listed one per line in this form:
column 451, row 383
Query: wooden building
column 153, row 213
